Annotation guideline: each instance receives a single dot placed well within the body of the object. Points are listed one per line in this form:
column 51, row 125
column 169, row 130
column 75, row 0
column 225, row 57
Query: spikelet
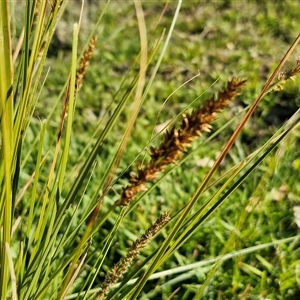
column 283, row 77
column 84, row 62
column 122, row 266
column 177, row 141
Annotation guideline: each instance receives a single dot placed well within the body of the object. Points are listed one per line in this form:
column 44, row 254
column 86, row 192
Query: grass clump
column 71, row 225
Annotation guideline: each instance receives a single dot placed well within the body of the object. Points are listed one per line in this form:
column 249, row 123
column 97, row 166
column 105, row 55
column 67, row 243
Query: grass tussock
column 70, row 227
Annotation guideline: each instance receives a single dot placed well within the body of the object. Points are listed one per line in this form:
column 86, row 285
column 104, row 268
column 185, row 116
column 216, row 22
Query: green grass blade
column 71, row 108
column 6, row 114
column 33, row 202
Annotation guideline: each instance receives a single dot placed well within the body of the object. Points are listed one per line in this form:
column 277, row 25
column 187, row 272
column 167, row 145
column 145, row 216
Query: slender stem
column 6, row 114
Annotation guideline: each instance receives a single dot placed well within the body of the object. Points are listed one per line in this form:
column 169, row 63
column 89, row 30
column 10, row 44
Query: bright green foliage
column 81, row 118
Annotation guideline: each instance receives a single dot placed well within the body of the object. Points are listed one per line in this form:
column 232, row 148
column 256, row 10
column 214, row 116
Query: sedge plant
column 60, row 221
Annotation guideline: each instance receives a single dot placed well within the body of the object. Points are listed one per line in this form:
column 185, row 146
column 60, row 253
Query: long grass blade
column 6, row 115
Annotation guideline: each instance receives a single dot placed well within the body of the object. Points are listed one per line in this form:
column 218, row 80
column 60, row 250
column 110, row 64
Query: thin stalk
column 6, row 115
